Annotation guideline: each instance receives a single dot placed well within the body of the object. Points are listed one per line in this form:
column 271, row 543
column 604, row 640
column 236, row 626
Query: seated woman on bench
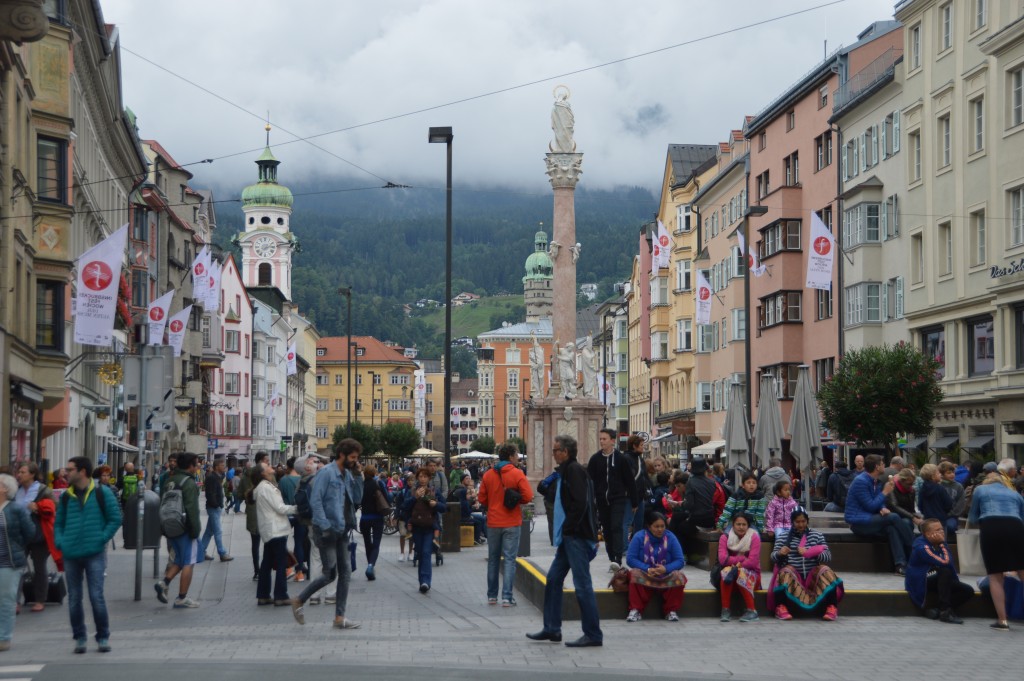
column 471, row 508
column 655, row 560
column 802, row 578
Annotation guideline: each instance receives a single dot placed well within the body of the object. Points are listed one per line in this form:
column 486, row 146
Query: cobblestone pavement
column 452, row 628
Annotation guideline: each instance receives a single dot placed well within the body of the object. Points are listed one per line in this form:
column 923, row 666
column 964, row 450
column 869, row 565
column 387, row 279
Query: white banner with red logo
column 703, row 299
column 292, row 364
column 157, row 317
column 177, row 327
column 201, row 275
column 99, row 270
column 821, row 255
column 665, row 242
column 211, row 296
column 421, row 384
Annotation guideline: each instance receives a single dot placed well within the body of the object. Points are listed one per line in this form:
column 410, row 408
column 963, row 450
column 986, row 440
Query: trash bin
column 151, row 533
column 524, row 534
column 451, row 534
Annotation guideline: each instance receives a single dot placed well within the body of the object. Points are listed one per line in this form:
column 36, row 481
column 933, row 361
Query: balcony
column 874, row 75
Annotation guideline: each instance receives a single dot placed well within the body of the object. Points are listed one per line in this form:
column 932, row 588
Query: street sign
column 643, row 435
column 212, row 443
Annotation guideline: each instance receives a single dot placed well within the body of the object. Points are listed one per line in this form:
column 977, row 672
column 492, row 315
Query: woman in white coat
column 272, row 515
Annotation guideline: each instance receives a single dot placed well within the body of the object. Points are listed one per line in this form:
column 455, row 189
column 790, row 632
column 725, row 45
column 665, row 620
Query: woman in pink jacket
column 739, row 555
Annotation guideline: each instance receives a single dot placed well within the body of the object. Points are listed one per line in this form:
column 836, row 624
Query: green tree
column 399, row 440
column 519, row 442
column 363, row 434
column 464, row 361
column 485, row 444
column 879, row 392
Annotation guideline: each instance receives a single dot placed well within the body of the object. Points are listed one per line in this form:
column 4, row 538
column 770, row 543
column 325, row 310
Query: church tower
column 267, row 242
column 537, row 291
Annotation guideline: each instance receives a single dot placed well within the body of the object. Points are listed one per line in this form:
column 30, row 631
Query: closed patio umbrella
column 804, row 427
column 736, row 430
column 768, row 431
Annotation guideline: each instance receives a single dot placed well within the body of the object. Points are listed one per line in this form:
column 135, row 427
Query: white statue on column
column 589, row 368
column 562, row 122
column 567, row 370
column 575, row 250
column 536, row 368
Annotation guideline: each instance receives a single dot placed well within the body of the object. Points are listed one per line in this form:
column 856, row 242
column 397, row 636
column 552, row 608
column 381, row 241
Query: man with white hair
column 894, row 467
column 1007, row 469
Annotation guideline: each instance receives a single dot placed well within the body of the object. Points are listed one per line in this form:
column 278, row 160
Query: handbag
column 512, row 497
column 57, row 588
column 620, row 580
column 716, row 576
column 968, row 551
column 383, row 507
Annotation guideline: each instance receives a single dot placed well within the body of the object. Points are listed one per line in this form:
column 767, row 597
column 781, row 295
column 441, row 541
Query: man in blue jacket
column 868, row 517
column 336, row 492
column 84, row 525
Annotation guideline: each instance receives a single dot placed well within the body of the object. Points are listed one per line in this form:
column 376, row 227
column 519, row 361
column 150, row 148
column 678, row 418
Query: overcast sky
column 320, row 66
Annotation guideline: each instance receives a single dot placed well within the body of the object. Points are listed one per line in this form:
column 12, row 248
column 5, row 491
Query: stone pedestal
column 550, row 416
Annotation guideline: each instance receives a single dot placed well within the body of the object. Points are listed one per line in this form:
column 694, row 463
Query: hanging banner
column 177, row 327
column 665, row 242
column 292, row 364
column 421, row 384
column 821, row 255
column 703, row 299
column 157, row 317
column 201, row 275
column 213, row 288
column 98, row 278
column 274, row 399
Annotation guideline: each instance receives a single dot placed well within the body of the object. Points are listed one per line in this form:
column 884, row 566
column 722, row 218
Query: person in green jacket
column 88, row 516
column 187, row 549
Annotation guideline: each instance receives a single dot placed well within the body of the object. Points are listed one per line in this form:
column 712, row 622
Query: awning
column 947, row 442
column 708, row 448
column 914, row 443
column 124, row 446
column 980, row 442
column 664, row 437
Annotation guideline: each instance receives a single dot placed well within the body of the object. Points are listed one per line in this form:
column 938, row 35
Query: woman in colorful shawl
column 802, row 578
column 739, row 555
column 655, row 561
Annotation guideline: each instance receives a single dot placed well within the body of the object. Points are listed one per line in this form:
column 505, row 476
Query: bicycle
column 391, row 522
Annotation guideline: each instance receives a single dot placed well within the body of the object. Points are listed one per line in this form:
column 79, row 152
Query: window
column 915, row 46
column 684, row 275
column 824, row 300
column 850, row 159
column 337, row 405
column 915, row 155
column 894, row 298
column 917, row 258
column 1017, row 96
column 398, row 405
column 861, row 225
column 1017, row 216
column 763, row 185
column 780, row 307
column 946, row 27
column 321, row 432
column 512, row 356
column 791, row 165
column 705, row 339
column 205, row 328
column 739, row 324
column 403, row 379
column 659, row 345
column 823, row 96
column 945, row 142
column 51, row 180
column 704, row 396
column 231, row 341
column 863, row 304
column 977, row 224
column 622, row 363
column 823, row 370
column 945, row 248
column 933, row 344
column 1018, row 334
column 513, row 378
column 980, row 350
column 980, row 13
column 785, row 379
column 321, row 379
column 270, row 354
column 339, row 379
column 977, row 124
column 684, row 334
column 140, row 290
column 762, row 141
column 49, row 315
column 231, row 425
column 659, row 291
column 231, row 383
column 890, row 132
column 265, row 274
column 823, row 150
column 790, row 120
column 780, row 236
column 684, row 215
column 890, row 217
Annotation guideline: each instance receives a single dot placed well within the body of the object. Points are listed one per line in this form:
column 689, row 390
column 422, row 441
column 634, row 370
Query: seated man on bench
column 471, row 509
column 868, row 517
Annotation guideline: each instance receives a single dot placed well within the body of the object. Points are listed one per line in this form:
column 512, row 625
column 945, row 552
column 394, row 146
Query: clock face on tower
column 264, row 247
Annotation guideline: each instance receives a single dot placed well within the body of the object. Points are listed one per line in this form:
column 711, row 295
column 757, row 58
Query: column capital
column 23, row 21
column 564, row 169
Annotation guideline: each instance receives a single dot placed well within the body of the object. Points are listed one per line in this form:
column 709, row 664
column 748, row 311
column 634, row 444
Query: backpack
column 172, row 511
column 844, row 489
column 130, row 485
column 302, row 505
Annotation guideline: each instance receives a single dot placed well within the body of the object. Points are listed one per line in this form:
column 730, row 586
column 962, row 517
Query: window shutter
column 885, row 301
column 885, row 220
column 885, row 149
column 843, row 161
column 864, row 151
column 899, row 297
column 895, row 131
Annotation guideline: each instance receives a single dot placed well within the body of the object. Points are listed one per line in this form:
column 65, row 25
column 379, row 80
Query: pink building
column 794, row 161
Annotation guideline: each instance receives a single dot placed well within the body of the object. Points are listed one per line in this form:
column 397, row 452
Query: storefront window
column 933, row 342
column 980, row 346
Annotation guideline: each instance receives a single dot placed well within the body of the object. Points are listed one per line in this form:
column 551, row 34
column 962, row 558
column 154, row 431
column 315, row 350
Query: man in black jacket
column 576, row 545
column 214, row 489
column 615, row 490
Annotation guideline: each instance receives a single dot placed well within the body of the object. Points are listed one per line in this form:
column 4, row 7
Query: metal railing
column 881, row 68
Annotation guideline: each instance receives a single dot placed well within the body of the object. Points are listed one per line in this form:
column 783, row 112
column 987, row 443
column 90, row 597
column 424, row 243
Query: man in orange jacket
column 498, row 490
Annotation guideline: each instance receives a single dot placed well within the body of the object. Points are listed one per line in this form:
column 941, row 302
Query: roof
column 374, row 351
column 462, row 388
column 159, row 149
column 541, row 327
column 588, row 323
column 686, row 158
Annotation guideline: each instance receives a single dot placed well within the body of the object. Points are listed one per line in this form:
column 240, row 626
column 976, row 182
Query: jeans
column 301, row 545
column 638, row 519
column 238, row 504
column 90, row 567
column 213, row 529
column 10, row 582
column 256, row 541
column 615, row 518
column 334, row 555
column 373, row 530
column 573, row 554
column 502, row 542
column 275, row 557
column 40, row 553
column 423, row 542
column 892, row 527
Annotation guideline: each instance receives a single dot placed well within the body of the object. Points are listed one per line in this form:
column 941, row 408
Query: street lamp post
column 751, row 210
column 353, row 351
column 347, row 292
column 443, row 135
column 373, row 382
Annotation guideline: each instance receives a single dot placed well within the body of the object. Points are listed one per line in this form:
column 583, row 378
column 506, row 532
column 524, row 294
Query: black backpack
column 302, row 505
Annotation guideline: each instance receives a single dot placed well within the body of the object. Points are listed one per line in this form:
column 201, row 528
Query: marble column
column 564, row 170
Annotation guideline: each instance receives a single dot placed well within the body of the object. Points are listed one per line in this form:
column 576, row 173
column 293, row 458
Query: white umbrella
column 768, row 432
column 804, row 426
column 736, row 431
column 423, row 451
column 474, row 455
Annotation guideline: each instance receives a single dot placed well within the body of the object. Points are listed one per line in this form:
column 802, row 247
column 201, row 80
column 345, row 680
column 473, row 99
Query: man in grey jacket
column 336, row 491
column 771, row 476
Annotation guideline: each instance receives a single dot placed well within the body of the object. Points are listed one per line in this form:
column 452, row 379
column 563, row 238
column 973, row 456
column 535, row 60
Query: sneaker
column 161, row 591
column 672, row 616
column 932, row 613
column 369, row 573
column 401, row 558
column 330, row 600
column 208, row 556
column 103, row 645
column 750, row 616
column 315, row 600
column 634, row 616
column 289, row 573
column 80, row 646
column 613, row 567
column 726, row 615
column 346, row 624
column 831, row 613
column 782, row 613
column 424, row 588
column 492, row 601
column 226, row 558
column 949, row 617
column 300, row 576
column 185, row 602
column 1000, row 626
column 901, row 571
column 297, row 611
column 508, row 602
